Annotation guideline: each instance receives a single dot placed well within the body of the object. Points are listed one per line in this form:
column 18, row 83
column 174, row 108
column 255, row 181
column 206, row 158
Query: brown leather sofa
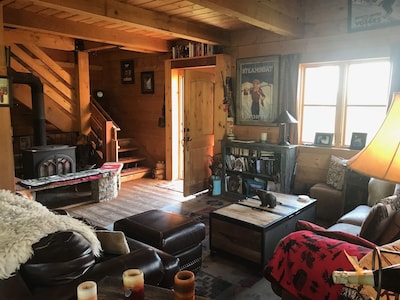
column 62, row 260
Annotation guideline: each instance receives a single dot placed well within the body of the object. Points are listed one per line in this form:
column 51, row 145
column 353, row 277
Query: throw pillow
column 375, row 223
column 336, row 172
column 113, row 242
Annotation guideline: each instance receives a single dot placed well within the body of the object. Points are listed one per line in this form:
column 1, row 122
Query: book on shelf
column 194, row 49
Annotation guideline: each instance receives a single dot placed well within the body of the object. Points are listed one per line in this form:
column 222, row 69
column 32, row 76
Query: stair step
column 134, row 173
column 127, row 160
column 124, row 142
column 126, row 149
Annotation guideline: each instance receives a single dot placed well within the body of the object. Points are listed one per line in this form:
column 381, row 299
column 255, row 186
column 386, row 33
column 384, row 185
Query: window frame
column 341, row 98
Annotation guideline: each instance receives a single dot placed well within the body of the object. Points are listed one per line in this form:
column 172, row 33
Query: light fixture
column 284, row 118
column 381, row 157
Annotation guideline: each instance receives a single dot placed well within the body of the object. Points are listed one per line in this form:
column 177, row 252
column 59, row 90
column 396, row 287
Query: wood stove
column 40, row 161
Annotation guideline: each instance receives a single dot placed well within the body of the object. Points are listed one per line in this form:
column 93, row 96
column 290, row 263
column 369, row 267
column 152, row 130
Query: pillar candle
column 87, row 290
column 184, row 285
column 133, row 281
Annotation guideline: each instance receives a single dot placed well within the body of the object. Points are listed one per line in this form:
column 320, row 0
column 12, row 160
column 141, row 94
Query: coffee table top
column 249, row 210
column 111, row 288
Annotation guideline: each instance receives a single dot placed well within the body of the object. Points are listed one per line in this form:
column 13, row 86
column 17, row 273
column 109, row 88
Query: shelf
column 248, row 166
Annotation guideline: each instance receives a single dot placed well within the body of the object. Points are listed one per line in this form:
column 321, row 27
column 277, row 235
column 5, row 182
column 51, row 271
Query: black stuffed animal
column 267, row 198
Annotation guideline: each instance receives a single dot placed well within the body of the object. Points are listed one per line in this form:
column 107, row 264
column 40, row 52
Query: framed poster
column 323, row 139
column 257, row 90
column 5, row 92
column 358, row 140
column 127, row 72
column 367, row 14
column 147, row 82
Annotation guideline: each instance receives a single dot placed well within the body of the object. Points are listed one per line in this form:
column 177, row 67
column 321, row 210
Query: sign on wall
column 257, row 90
column 373, row 14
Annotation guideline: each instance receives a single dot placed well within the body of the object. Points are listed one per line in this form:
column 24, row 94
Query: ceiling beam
column 51, row 25
column 258, row 13
column 130, row 15
column 19, row 36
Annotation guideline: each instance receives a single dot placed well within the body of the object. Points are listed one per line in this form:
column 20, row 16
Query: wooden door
column 198, row 129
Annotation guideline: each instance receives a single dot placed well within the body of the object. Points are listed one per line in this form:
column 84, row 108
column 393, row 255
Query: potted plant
column 216, row 174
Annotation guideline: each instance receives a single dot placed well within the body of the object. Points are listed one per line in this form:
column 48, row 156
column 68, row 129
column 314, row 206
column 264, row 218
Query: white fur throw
column 24, row 222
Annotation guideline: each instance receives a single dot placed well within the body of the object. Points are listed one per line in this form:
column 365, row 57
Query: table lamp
column 284, row 118
column 381, row 157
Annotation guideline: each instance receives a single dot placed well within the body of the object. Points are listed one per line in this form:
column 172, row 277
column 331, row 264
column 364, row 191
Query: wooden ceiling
column 145, row 25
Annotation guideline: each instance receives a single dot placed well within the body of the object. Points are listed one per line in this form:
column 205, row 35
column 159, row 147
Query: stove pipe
column 39, row 120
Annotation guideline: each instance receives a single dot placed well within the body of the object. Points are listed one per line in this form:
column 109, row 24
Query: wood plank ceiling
column 145, row 25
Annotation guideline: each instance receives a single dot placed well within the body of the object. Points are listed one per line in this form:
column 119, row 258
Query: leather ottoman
column 175, row 234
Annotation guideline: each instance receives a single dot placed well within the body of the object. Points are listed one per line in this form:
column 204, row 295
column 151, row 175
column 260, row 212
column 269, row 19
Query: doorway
column 192, row 126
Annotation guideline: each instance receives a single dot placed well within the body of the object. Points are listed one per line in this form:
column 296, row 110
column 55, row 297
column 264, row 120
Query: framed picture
column 147, row 80
column 5, row 91
column 257, row 90
column 358, row 140
column 127, row 72
column 365, row 15
column 323, row 139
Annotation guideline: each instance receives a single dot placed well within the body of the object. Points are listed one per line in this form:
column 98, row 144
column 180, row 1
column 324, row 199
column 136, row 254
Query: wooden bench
column 105, row 181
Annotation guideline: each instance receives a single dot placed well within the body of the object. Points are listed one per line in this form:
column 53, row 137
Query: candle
column 87, row 290
column 263, row 137
column 133, row 281
column 184, row 285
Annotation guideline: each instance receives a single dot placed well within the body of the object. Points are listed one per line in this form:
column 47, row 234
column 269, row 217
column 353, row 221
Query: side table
column 111, row 288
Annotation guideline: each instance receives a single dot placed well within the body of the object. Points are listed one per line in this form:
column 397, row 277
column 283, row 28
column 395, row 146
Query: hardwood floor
column 134, row 197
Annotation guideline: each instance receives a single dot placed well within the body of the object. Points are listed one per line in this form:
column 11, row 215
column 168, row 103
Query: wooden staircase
column 129, row 155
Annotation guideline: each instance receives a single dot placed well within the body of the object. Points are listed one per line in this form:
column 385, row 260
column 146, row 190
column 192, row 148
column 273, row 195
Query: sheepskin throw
column 24, row 222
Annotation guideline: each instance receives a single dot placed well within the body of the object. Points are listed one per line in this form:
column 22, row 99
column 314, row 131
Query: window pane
column 321, row 85
column 364, row 119
column 368, row 83
column 317, row 119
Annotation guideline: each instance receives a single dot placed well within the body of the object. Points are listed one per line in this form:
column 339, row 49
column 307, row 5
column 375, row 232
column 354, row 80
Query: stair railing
column 106, row 129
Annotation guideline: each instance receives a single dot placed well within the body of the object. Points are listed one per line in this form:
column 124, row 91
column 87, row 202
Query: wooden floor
column 134, row 197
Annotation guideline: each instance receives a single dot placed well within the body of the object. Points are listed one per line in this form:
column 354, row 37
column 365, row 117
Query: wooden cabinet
column 251, row 165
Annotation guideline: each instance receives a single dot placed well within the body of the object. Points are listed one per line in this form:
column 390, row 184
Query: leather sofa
column 62, row 260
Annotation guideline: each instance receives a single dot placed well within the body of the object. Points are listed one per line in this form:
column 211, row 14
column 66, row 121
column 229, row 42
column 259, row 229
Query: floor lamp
column 381, row 157
column 284, row 118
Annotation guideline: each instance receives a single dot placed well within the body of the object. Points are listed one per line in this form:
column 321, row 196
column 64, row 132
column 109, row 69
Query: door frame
column 222, row 67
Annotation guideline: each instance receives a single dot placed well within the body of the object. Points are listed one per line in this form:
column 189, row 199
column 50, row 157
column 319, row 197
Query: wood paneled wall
column 137, row 114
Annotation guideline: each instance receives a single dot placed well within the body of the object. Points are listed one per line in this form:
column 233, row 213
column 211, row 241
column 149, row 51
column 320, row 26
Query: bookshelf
column 249, row 165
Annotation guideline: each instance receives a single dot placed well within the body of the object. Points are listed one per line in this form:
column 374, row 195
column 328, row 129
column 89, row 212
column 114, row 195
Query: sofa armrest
column 170, row 262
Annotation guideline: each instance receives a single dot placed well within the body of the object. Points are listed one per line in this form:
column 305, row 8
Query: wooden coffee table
column 111, row 288
column 249, row 231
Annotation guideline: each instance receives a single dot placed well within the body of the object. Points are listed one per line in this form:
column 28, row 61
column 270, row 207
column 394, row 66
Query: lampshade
column 285, row 117
column 381, row 158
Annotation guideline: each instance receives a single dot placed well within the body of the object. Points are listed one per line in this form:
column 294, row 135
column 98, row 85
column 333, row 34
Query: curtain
column 288, row 80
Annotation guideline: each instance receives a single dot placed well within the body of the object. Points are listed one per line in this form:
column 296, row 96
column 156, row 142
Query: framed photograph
column 147, row 82
column 358, row 140
column 127, row 72
column 257, row 90
column 323, row 139
column 365, row 15
column 5, row 91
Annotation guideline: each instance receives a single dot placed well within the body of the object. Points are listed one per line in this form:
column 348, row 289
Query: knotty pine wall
column 137, row 114
column 326, row 38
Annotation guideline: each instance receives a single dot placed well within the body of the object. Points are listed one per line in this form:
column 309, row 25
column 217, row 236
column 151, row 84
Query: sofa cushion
column 378, row 189
column 356, row 216
column 336, row 172
column 343, row 232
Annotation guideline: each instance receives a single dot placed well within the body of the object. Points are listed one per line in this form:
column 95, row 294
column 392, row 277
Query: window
column 342, row 98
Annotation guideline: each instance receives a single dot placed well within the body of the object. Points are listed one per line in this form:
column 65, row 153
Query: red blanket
column 303, row 263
